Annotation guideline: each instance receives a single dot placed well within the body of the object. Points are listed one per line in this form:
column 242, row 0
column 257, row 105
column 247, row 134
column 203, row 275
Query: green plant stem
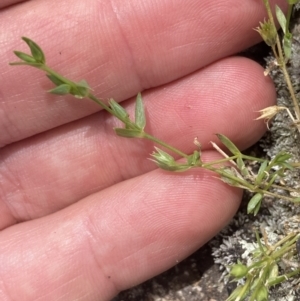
column 289, row 84
column 145, row 135
column 105, row 107
column 281, row 252
column 48, row 70
column 283, row 278
column 271, row 253
column 235, row 173
column 109, row 110
column 281, row 61
column 276, row 195
column 287, row 238
column 166, row 145
column 236, row 178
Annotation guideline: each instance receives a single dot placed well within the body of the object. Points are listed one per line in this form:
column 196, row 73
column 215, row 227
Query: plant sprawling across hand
column 84, row 214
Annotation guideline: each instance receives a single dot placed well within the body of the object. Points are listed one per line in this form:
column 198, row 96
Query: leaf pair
column 63, row 87
column 36, row 58
column 132, row 129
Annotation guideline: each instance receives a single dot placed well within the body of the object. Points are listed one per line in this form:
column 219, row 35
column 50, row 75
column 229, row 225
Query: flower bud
column 239, row 271
column 262, row 294
column 268, row 32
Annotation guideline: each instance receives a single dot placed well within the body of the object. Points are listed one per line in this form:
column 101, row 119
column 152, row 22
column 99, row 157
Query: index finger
column 5, row 3
column 119, row 47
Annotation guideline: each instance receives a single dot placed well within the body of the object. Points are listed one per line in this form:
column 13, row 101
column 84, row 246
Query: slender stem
column 282, row 65
column 291, row 89
column 48, row 70
column 275, row 54
column 237, row 180
column 281, row 61
column 283, row 278
column 252, row 158
column 292, row 274
column 145, row 135
column 211, row 163
column 285, row 188
column 288, row 237
column 166, row 145
column 269, row 193
column 109, row 110
column 103, row 105
column 220, row 151
column 281, row 252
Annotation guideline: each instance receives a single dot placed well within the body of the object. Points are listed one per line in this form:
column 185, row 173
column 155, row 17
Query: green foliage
column 254, row 203
column 263, row 272
column 232, row 148
column 287, row 38
column 36, row 51
column 37, row 57
column 140, row 118
column 281, row 19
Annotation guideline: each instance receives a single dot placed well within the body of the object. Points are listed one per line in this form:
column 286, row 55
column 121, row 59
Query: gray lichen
column 278, row 217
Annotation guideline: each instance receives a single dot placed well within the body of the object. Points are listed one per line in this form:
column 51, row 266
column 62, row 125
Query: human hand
column 84, row 213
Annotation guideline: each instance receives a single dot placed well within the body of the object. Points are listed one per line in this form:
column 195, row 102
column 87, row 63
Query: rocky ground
column 201, row 277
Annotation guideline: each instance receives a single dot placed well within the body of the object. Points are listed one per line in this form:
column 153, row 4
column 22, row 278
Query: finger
column 6, row 3
column 114, row 239
column 120, row 48
column 51, row 171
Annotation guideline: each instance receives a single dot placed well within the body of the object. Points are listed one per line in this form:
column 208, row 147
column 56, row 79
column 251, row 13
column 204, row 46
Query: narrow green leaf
column 281, row 157
column 80, row 89
column 36, row 50
column 129, row 133
column 234, row 150
column 175, row 167
column 287, row 45
column 55, row 80
column 194, row 159
column 178, row 168
column 24, row 57
column 281, row 160
column 83, row 83
column 162, row 155
column 242, row 167
column 61, row 90
column 140, row 118
column 287, row 166
column 261, row 172
column 277, row 280
column 281, row 18
column 254, row 203
column 167, row 162
column 118, row 110
column 231, row 176
column 273, row 273
column 271, row 180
